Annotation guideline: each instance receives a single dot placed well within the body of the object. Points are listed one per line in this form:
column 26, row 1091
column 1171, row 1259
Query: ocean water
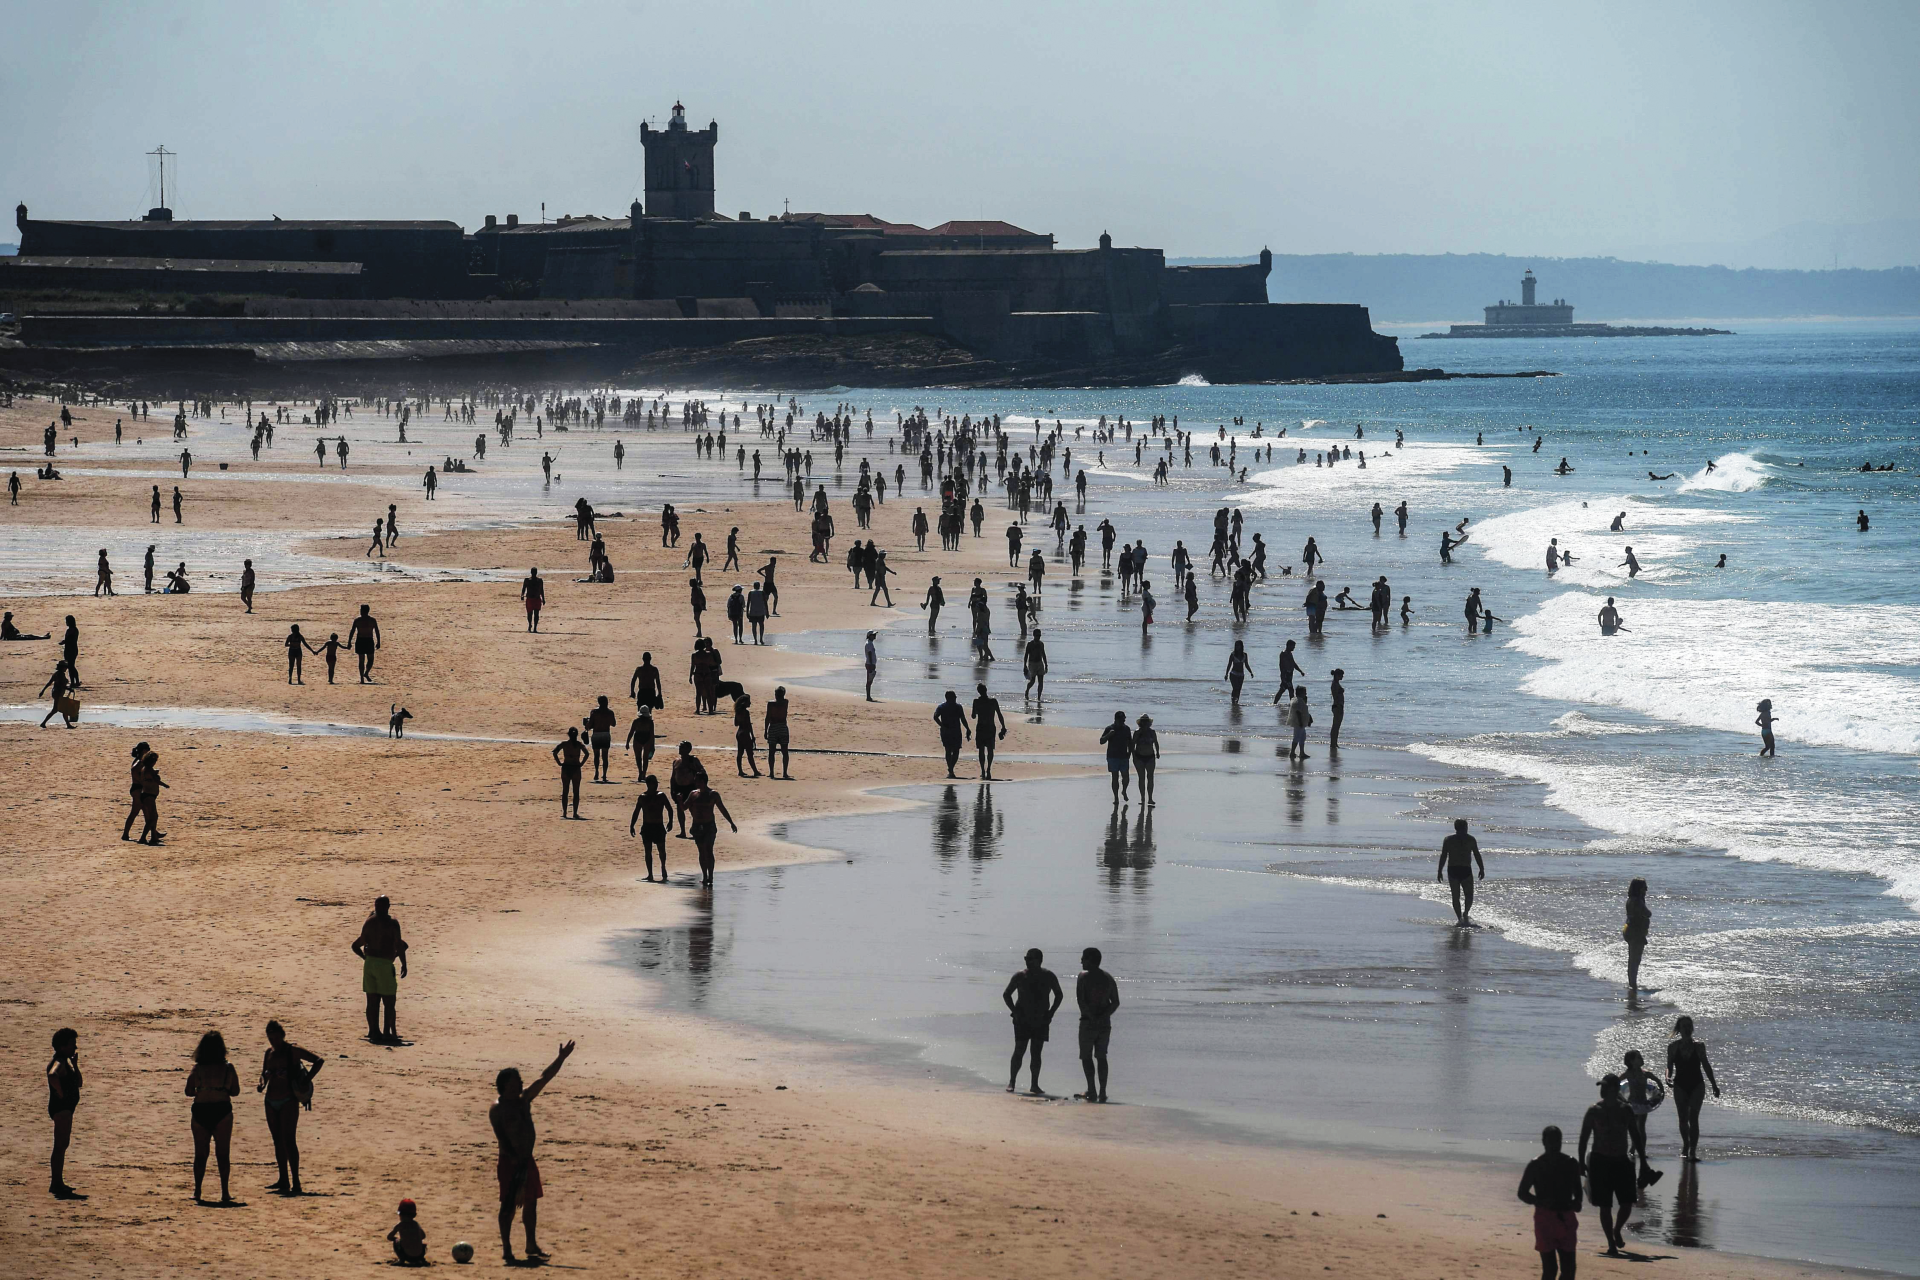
column 1287, row 958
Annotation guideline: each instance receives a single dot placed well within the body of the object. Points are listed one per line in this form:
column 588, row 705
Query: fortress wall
column 1194, row 286
column 636, row 334
column 1274, row 340
column 420, row 259
column 167, row 276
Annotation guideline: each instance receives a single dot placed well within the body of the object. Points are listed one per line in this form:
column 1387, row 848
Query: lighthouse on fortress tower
column 679, row 168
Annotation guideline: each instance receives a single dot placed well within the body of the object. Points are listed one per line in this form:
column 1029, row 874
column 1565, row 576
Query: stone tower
column 1526, row 281
column 679, row 168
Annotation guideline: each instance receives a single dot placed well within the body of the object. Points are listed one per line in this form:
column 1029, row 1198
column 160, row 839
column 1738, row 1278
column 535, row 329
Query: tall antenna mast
column 161, row 153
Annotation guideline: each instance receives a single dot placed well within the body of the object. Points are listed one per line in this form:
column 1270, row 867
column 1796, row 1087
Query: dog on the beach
column 397, row 722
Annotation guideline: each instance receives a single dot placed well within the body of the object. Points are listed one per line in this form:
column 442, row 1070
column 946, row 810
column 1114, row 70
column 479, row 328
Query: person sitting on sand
column 408, row 1238
column 10, row 632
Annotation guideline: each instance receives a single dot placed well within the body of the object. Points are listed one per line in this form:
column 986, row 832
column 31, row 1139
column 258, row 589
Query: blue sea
column 1288, row 963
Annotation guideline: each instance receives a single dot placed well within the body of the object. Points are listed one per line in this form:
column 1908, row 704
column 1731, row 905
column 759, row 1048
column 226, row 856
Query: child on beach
column 408, row 1237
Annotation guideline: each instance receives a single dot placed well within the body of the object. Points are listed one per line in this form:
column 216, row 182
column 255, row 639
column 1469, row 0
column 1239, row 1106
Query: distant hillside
column 1434, row 287
column 8, row 250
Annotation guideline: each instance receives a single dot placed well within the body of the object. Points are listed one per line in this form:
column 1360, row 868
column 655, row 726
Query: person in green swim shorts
column 379, row 946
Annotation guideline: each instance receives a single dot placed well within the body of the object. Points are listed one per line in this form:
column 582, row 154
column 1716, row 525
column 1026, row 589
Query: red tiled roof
column 989, row 228
column 860, row 222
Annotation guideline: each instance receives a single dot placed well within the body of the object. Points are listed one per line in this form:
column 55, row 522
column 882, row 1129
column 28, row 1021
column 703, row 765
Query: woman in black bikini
column 1687, row 1063
column 63, row 1095
column 288, row 1086
column 213, row 1085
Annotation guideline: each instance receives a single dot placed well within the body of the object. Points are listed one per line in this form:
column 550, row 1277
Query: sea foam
column 1707, row 663
column 1732, row 473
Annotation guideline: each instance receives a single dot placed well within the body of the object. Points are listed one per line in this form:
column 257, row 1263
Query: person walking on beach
column 986, row 713
column 935, row 598
column 380, row 947
column 63, row 1096
column 871, row 656
column 364, row 636
column 570, row 755
column 1764, row 719
column 652, row 813
column 1032, row 996
column 1098, row 996
column 287, row 1086
column 600, row 725
column 1551, row 1184
column 213, row 1084
column 103, row 575
column 1458, row 854
column 687, row 774
column 745, row 748
column 147, row 781
column 757, row 614
column 516, row 1170
column 297, row 651
column 248, row 580
column 61, row 685
column 1146, row 757
column 701, row 803
column 147, row 566
column 645, row 687
column 698, row 601
column 1689, row 1072
column 1239, row 664
column 952, row 719
column 1611, row 1170
column 1639, row 922
column 533, row 594
column 1118, row 740
column 1033, row 663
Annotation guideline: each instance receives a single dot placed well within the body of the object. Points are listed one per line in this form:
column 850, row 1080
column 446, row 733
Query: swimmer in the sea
column 1630, row 564
column 1565, row 468
column 1610, row 619
column 1670, row 475
column 1619, row 523
column 1722, row 562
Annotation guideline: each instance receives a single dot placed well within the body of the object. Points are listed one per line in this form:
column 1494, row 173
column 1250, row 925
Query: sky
column 1675, row 131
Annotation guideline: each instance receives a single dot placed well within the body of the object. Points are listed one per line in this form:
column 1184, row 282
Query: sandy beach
column 671, row 1143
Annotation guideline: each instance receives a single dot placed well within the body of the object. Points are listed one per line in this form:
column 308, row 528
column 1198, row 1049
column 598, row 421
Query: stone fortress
column 674, row 273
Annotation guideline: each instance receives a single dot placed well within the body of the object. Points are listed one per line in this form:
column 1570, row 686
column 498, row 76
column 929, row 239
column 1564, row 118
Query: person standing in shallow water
column 1639, row 922
column 213, row 1084
column 1338, row 694
column 1612, row 1171
column 63, row 1096
column 1765, row 720
column 1118, row 740
column 1039, row 996
column 1689, row 1072
column 1098, row 996
column 1459, row 853
column 380, row 947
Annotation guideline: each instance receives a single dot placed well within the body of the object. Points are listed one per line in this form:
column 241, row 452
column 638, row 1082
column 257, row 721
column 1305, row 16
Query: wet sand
column 671, row 1143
